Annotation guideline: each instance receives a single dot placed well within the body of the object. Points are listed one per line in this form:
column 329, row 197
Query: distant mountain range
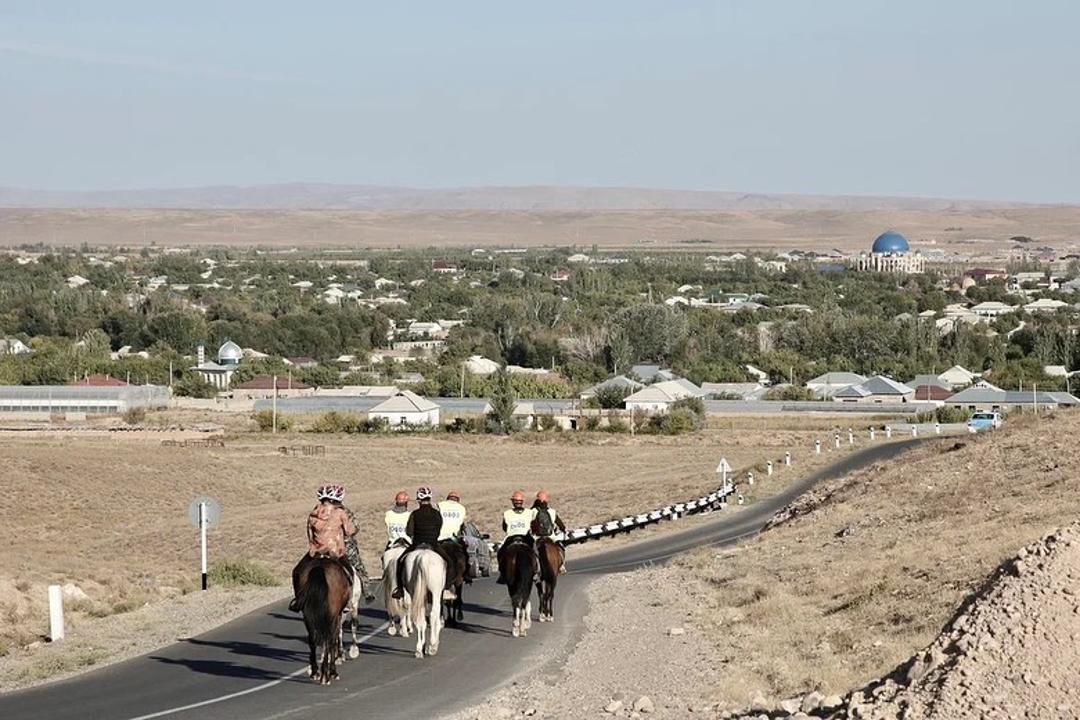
column 321, row 196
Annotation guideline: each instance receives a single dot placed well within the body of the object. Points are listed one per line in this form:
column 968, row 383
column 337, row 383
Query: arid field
column 975, row 231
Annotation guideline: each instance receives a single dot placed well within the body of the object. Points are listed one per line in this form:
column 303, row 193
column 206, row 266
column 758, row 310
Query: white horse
column 397, row 610
column 352, row 616
column 425, row 579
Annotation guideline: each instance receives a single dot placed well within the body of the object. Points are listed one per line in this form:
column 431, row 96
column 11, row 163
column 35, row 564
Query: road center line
column 249, row 691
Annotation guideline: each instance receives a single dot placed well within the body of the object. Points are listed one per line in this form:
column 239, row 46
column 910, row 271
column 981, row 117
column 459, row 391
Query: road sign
column 724, row 466
column 213, row 511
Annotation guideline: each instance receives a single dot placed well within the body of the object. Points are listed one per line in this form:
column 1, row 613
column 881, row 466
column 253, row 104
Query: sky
column 974, row 99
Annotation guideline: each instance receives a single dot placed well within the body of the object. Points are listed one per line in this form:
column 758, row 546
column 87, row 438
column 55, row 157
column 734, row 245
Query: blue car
column 984, row 421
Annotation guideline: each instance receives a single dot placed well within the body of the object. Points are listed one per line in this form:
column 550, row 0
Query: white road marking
column 249, row 691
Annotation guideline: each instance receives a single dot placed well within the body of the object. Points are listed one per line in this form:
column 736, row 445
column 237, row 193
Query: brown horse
column 324, row 592
column 519, row 568
column 456, row 567
column 551, row 558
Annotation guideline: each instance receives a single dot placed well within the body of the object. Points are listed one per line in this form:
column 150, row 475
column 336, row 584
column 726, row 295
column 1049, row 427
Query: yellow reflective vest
column 395, row 525
column 518, row 523
column 453, row 517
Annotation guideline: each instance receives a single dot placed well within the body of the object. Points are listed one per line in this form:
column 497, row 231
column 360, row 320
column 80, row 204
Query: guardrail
column 711, row 501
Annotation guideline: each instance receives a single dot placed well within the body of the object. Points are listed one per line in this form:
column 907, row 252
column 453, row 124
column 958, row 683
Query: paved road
column 254, row 667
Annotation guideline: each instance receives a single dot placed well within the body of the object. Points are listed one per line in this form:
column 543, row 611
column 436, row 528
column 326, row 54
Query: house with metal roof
column 619, row 381
column 659, row 397
column 878, row 389
column 827, row 385
column 988, row 398
column 406, row 409
column 734, row 390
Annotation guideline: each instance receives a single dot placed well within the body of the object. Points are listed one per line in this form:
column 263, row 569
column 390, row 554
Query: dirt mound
column 1010, row 651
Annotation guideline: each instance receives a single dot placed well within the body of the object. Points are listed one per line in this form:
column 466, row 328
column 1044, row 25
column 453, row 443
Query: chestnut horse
column 325, row 590
column 551, row 558
column 456, row 569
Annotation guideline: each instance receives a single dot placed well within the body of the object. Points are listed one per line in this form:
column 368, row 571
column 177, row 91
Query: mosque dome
column 229, row 353
column 890, row 242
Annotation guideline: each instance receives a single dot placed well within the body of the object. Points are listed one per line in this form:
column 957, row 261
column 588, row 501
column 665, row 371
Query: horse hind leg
column 526, row 622
column 516, row 627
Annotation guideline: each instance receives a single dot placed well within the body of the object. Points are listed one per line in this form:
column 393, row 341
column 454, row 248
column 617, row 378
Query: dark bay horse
column 551, row 558
column 324, row 592
column 520, row 571
column 456, row 568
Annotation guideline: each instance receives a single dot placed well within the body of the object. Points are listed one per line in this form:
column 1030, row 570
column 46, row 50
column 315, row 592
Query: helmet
column 542, row 496
column 517, row 496
column 423, row 493
column 453, row 495
column 402, row 498
column 331, row 492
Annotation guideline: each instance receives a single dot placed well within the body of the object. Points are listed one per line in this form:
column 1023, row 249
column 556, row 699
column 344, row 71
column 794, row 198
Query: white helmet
column 331, row 492
column 423, row 493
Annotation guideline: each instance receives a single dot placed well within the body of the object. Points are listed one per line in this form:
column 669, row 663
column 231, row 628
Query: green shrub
column 265, row 421
column 135, row 415
column 677, row 421
column 234, row 573
column 617, row 425
column 949, row 414
column 592, row 423
column 337, row 422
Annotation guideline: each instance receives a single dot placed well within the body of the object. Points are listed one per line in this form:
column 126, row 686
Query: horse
column 550, row 561
column 456, row 569
column 352, row 613
column 324, row 593
column 425, row 578
column 520, row 571
column 397, row 610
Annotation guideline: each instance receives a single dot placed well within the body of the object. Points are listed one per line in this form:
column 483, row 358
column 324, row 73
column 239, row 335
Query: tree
column 653, row 331
column 502, row 403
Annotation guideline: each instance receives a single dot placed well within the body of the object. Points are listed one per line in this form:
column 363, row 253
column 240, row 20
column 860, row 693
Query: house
column 13, row 346
column 660, row 396
column 406, row 409
column 992, row 398
column 651, row 373
column 878, row 389
column 957, row 377
column 578, row 258
column 992, row 309
column 263, row 386
column 420, row 348
column 479, row 365
column 739, row 390
column 761, row 375
column 99, row 380
column 77, row 281
column 382, row 355
column 825, row 386
column 1045, row 305
column 619, row 381
column 301, row 361
column 426, row 329
column 303, row 285
column 444, row 266
column 984, row 275
column 931, row 392
column 560, row 275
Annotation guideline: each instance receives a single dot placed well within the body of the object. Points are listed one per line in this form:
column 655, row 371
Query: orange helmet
column 453, row 495
column 402, row 498
column 517, row 496
column 542, row 496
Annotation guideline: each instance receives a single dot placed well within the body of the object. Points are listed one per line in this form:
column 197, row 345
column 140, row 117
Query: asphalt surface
column 255, row 666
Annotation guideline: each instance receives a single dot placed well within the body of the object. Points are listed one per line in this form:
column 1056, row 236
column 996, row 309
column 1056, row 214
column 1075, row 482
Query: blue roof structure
column 890, row 242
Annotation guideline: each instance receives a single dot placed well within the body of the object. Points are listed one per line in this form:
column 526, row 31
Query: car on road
column 984, row 421
column 479, row 550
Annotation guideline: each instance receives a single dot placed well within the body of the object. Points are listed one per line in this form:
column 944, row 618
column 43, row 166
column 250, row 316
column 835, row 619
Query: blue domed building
column 891, row 253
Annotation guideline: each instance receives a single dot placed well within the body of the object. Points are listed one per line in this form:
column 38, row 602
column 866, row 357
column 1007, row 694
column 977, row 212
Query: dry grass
column 970, row 230
column 841, row 595
column 109, row 512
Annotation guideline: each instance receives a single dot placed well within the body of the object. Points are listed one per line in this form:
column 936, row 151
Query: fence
column 304, row 450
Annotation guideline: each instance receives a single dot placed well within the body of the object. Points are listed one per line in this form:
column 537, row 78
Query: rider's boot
column 399, row 591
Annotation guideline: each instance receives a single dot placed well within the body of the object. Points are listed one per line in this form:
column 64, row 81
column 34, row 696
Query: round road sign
column 213, row 511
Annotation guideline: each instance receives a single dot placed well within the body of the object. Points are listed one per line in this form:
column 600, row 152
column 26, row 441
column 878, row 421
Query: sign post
column 203, row 512
column 56, row 613
column 723, row 468
column 787, row 458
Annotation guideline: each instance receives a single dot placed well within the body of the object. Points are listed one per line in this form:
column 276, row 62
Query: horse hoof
column 418, row 654
column 354, row 652
column 391, row 631
column 517, row 633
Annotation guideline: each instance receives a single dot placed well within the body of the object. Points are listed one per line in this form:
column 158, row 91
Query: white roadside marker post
column 888, row 432
column 871, row 434
column 56, row 613
column 937, row 428
column 787, row 458
column 836, row 440
column 817, row 447
column 850, row 436
column 768, row 468
column 750, row 478
column 914, row 431
column 202, row 540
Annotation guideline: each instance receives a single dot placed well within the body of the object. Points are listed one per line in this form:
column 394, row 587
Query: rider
column 396, row 519
column 545, row 524
column 453, row 516
column 423, row 527
column 328, row 525
column 516, row 523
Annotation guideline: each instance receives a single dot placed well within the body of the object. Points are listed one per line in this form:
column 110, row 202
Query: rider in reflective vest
column 542, row 530
column 423, row 526
column 517, row 522
column 396, row 519
column 453, row 516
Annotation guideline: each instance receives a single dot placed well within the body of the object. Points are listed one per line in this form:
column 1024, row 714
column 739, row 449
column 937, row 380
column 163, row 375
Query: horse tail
column 419, row 590
column 315, row 599
column 523, row 568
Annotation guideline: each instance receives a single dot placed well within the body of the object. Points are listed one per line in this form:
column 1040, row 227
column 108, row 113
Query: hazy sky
column 959, row 98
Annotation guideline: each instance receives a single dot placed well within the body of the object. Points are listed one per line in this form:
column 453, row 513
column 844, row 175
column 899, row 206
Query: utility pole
column 273, row 413
column 461, row 393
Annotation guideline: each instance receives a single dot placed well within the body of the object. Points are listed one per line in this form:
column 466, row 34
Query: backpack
column 544, row 524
